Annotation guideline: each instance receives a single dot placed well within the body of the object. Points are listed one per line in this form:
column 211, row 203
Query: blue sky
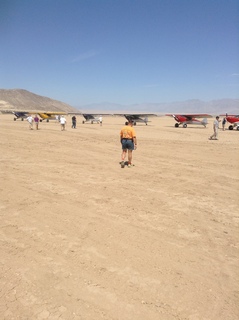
column 121, row 51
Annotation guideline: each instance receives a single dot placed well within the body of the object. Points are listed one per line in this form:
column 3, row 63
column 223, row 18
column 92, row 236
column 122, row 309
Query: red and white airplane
column 233, row 119
column 186, row 119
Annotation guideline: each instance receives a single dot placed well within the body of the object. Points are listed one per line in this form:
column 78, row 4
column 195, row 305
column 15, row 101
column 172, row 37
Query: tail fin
column 204, row 122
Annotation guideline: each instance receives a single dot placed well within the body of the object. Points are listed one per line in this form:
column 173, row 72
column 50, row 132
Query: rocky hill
column 23, row 100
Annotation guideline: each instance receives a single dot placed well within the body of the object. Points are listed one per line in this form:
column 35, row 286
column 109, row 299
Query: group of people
column 128, row 138
column 33, row 120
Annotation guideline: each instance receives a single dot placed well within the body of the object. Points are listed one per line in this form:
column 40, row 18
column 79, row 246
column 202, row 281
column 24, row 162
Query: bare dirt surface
column 82, row 238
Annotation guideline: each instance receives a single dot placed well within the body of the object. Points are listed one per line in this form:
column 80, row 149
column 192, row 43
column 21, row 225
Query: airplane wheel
column 230, row 127
column 83, row 121
column 14, row 119
column 40, row 120
column 134, row 123
column 22, row 119
column 47, row 120
column 92, row 122
column 176, row 125
column 237, row 128
column 185, row 126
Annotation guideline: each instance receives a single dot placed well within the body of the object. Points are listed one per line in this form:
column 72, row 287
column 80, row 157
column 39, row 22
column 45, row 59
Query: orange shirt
column 127, row 132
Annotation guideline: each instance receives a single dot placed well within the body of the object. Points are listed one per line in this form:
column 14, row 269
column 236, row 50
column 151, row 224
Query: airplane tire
column 14, row 119
column 83, row 121
column 237, row 128
column 47, row 120
column 134, row 123
column 176, row 125
column 230, row 127
column 92, row 122
column 185, row 125
column 22, row 119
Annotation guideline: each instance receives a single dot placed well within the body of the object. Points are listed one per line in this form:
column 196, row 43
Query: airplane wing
column 191, row 115
column 136, row 115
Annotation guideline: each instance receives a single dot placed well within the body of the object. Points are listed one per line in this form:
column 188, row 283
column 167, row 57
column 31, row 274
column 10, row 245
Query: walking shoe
column 122, row 164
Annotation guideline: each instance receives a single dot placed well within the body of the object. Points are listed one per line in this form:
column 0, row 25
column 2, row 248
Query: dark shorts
column 127, row 144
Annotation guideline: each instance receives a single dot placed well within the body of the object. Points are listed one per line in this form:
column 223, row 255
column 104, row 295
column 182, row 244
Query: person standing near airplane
column 30, row 121
column 129, row 143
column 223, row 123
column 36, row 121
column 100, row 119
column 214, row 136
column 73, row 122
column 63, row 123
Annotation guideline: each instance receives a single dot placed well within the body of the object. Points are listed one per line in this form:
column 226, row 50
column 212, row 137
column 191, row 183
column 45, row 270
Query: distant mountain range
column 189, row 106
column 19, row 99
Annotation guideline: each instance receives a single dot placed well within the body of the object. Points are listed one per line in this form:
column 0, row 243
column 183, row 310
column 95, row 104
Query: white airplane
column 90, row 117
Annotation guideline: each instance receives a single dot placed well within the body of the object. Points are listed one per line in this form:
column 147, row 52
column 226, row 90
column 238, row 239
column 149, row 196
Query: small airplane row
column 181, row 119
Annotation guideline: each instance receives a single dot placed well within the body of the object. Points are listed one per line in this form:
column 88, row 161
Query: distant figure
column 63, row 123
column 100, row 119
column 73, row 119
column 223, row 123
column 214, row 136
column 30, row 121
column 129, row 143
column 57, row 118
column 36, row 121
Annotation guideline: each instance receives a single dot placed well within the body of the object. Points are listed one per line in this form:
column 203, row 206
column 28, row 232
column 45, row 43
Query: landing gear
column 176, row 125
column 230, row 127
column 237, row 128
column 83, row 121
column 185, row 125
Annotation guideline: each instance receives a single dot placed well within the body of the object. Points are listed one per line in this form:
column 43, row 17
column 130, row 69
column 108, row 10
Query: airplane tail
column 146, row 120
column 204, row 122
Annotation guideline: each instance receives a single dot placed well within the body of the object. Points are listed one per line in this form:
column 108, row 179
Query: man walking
column 129, row 143
column 63, row 123
column 214, row 136
column 30, row 121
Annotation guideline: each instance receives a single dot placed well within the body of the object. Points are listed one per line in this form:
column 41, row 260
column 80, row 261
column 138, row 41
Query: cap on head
column 217, row 117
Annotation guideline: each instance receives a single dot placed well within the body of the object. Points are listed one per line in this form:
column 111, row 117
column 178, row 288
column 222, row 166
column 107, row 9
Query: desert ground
column 82, row 238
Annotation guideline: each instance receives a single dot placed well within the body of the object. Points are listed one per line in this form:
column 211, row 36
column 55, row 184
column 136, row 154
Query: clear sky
column 121, row 51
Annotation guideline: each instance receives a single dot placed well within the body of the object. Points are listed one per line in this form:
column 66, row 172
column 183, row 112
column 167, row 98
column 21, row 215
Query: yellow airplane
column 50, row 115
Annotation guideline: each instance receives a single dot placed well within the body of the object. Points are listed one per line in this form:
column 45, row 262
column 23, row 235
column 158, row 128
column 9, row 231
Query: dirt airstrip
column 82, row 238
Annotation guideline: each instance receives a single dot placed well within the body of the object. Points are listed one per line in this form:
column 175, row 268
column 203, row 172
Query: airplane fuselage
column 185, row 120
column 234, row 120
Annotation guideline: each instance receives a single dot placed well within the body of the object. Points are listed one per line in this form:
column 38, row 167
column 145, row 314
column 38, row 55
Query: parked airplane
column 189, row 119
column 233, row 119
column 142, row 118
column 49, row 115
column 44, row 115
column 89, row 117
column 20, row 115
